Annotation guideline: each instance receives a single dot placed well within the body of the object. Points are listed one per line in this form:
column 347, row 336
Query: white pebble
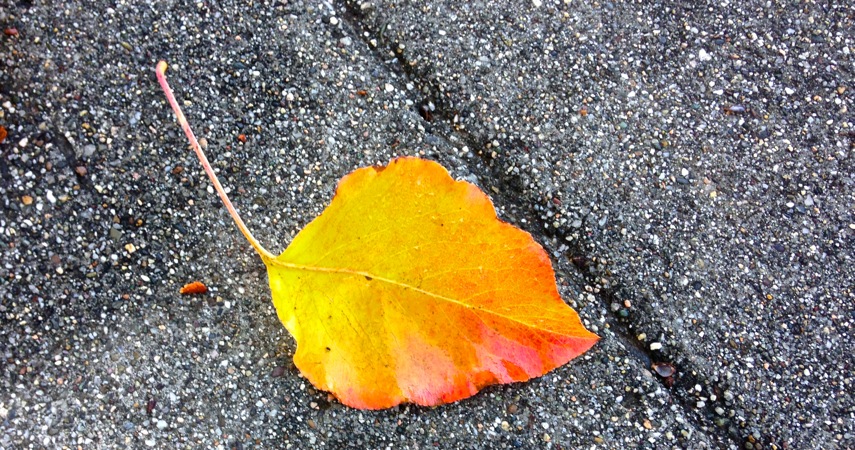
column 389, row 87
column 655, row 346
column 704, row 56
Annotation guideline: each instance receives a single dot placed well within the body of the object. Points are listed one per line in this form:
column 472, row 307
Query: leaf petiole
column 161, row 78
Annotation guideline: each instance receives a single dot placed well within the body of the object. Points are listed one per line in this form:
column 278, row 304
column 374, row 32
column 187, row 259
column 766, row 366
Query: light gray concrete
column 687, row 165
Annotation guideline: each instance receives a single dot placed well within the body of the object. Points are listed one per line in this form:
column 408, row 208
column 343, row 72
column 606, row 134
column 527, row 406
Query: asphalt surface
column 688, row 166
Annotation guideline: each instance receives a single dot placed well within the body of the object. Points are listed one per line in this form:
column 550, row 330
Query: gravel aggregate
column 688, row 166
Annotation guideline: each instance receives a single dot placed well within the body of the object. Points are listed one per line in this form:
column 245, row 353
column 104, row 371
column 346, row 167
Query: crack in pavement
column 436, row 111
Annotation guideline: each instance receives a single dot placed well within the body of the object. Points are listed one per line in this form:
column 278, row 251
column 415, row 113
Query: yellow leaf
column 408, row 288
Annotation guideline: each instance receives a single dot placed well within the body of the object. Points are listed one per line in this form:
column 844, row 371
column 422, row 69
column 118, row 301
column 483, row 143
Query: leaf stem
column 161, row 78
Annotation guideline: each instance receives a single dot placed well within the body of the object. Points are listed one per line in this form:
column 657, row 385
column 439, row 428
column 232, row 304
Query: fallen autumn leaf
column 408, row 288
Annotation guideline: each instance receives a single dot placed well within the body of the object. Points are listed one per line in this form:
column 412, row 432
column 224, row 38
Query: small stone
column 704, row 56
column 27, row 200
column 664, row 370
column 81, row 170
column 389, row 87
column 161, row 424
column 513, row 408
column 89, row 150
column 655, row 346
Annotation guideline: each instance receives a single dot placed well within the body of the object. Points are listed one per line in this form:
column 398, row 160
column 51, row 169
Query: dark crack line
column 66, row 149
column 443, row 116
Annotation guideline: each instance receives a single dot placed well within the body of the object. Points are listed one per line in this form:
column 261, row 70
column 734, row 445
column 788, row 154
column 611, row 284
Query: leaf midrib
column 293, row 266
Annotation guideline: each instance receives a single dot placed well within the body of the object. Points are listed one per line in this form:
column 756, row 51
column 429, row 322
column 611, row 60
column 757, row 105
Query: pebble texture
column 688, row 165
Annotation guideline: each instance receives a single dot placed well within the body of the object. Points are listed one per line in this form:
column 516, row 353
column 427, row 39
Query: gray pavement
column 688, row 165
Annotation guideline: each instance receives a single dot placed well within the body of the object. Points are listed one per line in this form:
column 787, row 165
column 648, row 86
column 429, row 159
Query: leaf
column 196, row 287
column 408, row 288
